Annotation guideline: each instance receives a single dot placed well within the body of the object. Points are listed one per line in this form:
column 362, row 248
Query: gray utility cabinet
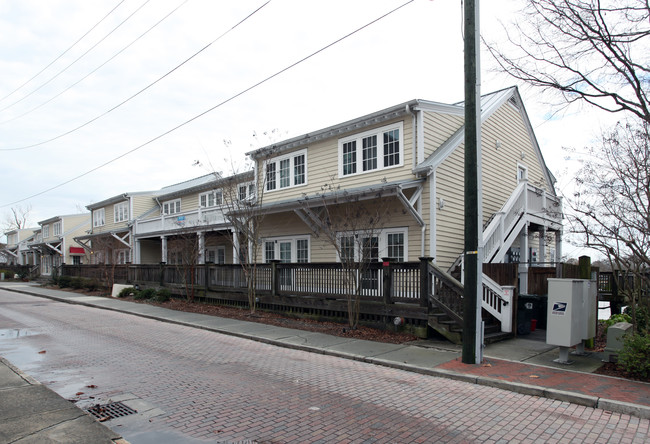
column 572, row 311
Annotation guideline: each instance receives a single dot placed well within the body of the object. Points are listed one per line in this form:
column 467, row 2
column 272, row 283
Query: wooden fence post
column 424, row 280
column 275, row 278
column 206, row 276
column 162, row 274
column 387, row 281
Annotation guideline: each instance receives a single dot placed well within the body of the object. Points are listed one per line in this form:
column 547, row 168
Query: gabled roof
column 490, row 103
column 203, row 183
column 56, row 218
column 118, row 198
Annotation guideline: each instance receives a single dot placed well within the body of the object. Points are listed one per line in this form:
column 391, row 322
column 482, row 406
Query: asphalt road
column 199, row 386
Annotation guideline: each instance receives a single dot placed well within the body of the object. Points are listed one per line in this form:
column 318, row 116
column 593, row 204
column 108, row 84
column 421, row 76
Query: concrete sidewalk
column 523, row 365
column 32, row 413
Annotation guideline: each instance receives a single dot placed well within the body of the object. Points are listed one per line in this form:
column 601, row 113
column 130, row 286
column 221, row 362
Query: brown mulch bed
column 264, row 317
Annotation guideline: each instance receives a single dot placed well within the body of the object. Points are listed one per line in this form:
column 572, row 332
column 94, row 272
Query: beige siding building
column 55, row 245
column 390, row 185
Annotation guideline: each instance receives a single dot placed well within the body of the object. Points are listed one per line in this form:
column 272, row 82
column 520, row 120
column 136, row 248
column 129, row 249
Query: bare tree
column 18, row 218
column 583, row 50
column 611, row 204
column 352, row 224
column 184, row 250
column 243, row 208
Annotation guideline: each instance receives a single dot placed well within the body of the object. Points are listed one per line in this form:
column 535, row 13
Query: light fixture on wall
column 498, row 144
column 441, row 203
column 523, row 155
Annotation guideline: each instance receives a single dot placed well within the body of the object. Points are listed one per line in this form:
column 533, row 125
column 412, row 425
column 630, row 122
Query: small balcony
column 167, row 223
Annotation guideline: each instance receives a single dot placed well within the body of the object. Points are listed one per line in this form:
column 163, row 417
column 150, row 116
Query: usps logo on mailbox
column 559, row 308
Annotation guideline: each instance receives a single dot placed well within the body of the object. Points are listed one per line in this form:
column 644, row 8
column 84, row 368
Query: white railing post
column 506, row 311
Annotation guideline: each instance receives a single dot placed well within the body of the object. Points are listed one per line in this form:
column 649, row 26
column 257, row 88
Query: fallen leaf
column 91, row 386
column 79, row 393
column 487, row 365
column 42, row 352
column 533, row 376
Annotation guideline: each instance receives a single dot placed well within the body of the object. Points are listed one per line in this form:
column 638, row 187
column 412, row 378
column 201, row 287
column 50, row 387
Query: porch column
column 558, row 245
column 163, row 252
column 542, row 245
column 137, row 254
column 235, row 246
column 523, row 261
column 201, row 236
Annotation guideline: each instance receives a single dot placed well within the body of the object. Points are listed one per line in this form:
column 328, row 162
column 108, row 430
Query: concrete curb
column 611, row 405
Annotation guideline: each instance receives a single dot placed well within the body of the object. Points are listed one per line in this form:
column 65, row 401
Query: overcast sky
column 49, row 87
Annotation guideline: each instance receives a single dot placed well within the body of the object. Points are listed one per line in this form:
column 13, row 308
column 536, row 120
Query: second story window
column 172, row 206
column 286, row 171
column 246, row 191
column 372, row 150
column 121, row 211
column 46, row 231
column 211, row 199
column 56, row 228
column 99, row 217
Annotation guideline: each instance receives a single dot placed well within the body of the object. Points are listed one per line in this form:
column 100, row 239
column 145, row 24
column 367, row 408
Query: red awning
column 77, row 250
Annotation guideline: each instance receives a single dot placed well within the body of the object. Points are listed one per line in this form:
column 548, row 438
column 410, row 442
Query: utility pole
column 473, row 255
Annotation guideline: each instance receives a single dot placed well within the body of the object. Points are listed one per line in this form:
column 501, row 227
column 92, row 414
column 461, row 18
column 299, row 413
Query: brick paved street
column 219, row 388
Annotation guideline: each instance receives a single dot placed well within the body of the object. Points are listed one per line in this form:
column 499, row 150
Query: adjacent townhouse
column 190, row 223
column 110, row 238
column 404, row 166
column 54, row 243
column 16, row 251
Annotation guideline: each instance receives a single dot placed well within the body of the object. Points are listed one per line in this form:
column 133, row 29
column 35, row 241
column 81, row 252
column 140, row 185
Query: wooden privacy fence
column 386, row 281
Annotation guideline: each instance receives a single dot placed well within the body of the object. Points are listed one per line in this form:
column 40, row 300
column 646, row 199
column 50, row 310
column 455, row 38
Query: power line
column 63, row 53
column 160, row 136
column 78, row 58
column 141, row 91
column 94, row 70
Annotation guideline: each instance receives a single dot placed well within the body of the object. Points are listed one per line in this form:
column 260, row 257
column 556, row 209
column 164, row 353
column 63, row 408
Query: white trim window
column 245, row 191
column 99, row 217
column 286, row 171
column 56, row 228
column 522, row 172
column 211, row 199
column 373, row 150
column 287, row 249
column 390, row 242
column 121, row 212
column 172, row 206
column 46, row 231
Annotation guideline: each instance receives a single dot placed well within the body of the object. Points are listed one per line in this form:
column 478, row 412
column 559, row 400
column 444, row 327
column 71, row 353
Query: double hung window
column 286, row 171
column 56, row 228
column 172, row 206
column 372, row 150
column 211, row 199
column 99, row 217
column 121, row 211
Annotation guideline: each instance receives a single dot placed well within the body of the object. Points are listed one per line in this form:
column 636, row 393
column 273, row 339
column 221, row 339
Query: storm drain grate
column 110, row 411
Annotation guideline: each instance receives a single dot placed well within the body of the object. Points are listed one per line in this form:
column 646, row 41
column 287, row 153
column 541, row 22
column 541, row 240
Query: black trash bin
column 525, row 311
column 531, row 306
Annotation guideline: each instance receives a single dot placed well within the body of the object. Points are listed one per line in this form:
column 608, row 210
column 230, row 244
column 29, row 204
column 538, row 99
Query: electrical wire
column 63, row 53
column 96, row 69
column 160, row 136
column 142, row 90
column 78, row 58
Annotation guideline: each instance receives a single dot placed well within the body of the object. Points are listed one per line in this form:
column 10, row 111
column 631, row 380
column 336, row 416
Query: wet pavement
column 524, row 365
